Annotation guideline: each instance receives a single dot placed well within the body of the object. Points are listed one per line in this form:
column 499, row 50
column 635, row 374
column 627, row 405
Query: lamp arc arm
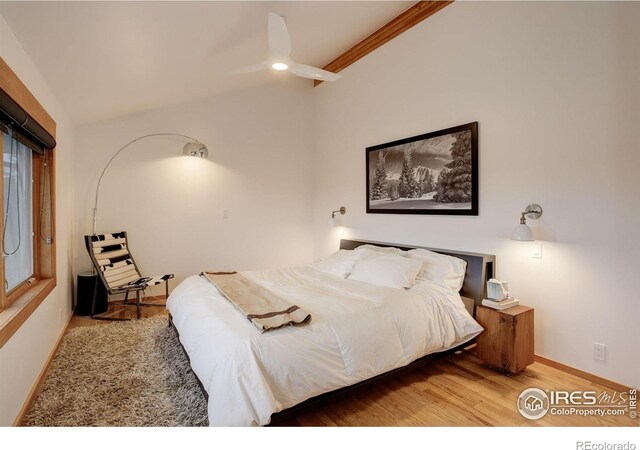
column 95, row 203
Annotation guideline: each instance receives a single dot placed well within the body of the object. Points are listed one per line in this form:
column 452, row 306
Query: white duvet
column 357, row 331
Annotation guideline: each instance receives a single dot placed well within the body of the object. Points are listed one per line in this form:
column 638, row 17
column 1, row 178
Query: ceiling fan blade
column 279, row 40
column 302, row 70
column 249, row 69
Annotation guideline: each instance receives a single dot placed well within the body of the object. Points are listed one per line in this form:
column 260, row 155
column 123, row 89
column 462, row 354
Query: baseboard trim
column 41, row 377
column 582, row 374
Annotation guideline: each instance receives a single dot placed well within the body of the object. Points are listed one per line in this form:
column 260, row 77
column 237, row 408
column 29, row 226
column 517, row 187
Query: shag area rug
column 120, row 374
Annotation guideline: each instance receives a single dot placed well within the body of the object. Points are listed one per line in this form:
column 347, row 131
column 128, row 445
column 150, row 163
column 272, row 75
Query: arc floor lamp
column 192, row 148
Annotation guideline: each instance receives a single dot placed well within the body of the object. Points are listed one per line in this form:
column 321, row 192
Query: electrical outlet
column 225, row 214
column 599, row 351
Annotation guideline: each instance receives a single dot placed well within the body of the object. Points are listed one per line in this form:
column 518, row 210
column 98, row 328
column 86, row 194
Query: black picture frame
column 421, row 196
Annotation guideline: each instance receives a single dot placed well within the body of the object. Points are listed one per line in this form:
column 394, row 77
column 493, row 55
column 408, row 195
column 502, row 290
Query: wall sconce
column 522, row 232
column 333, row 221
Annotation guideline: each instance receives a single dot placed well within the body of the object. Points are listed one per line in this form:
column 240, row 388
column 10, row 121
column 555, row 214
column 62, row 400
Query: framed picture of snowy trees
column 434, row 173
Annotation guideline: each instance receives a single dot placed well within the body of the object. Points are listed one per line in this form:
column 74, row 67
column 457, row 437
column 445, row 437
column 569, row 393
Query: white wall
column 260, row 144
column 554, row 87
column 24, row 355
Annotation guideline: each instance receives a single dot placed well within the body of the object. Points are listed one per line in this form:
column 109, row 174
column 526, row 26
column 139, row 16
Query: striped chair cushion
column 116, row 264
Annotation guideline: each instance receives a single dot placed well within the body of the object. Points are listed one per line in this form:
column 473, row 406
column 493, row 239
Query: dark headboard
column 480, row 267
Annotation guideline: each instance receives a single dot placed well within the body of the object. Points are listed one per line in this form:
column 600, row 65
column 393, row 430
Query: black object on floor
column 85, row 285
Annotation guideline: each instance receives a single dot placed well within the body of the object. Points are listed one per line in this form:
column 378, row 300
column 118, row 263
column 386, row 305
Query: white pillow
column 339, row 263
column 386, row 269
column 376, row 248
column 442, row 269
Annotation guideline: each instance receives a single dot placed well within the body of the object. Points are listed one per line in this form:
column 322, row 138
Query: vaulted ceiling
column 107, row 59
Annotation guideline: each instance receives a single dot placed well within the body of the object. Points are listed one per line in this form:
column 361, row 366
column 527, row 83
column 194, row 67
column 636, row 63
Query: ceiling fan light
column 279, row 66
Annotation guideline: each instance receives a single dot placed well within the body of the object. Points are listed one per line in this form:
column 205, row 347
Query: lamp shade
column 332, row 222
column 197, row 149
column 522, row 232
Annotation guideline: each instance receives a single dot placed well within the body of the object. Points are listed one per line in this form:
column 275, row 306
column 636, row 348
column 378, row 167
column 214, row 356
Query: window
column 27, row 225
column 17, row 233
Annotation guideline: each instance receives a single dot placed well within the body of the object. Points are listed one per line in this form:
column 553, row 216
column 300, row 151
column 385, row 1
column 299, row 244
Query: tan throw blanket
column 262, row 307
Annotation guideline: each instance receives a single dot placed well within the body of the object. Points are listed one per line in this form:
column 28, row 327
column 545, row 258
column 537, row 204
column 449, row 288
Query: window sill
column 12, row 318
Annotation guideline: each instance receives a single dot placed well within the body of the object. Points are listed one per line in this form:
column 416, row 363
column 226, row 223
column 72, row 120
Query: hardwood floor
column 457, row 391
column 454, row 391
column 118, row 310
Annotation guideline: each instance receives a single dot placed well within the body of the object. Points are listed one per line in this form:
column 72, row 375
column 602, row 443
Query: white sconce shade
column 522, row 232
column 332, row 223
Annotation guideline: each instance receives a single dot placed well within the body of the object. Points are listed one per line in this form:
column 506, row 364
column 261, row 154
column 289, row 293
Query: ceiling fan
column 280, row 58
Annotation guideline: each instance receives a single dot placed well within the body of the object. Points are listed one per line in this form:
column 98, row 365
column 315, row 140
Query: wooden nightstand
column 506, row 343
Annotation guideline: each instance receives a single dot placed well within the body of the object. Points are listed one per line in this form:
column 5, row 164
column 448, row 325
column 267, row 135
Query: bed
column 359, row 334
